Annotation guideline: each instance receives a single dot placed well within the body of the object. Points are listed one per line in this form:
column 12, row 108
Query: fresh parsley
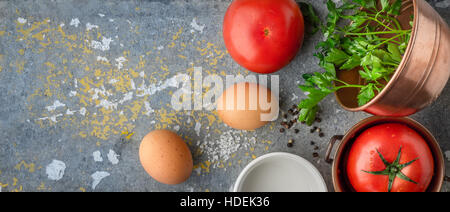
column 372, row 41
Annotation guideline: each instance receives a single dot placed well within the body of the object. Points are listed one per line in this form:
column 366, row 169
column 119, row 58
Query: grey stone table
column 81, row 82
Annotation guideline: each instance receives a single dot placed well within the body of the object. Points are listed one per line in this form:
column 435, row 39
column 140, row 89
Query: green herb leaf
column 366, row 94
column 353, row 62
column 314, row 97
column 395, row 8
column 394, row 52
column 337, row 57
column 366, row 3
column 385, row 5
column 310, row 16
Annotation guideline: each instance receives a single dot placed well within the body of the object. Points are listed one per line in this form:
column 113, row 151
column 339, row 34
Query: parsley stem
column 382, row 43
column 338, row 80
column 400, row 32
column 390, row 64
column 349, row 86
column 379, row 22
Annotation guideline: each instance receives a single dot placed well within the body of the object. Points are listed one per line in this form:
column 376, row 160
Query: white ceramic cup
column 280, row 172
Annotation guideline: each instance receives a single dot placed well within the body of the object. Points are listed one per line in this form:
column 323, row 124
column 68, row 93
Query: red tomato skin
column 263, row 36
column 388, row 138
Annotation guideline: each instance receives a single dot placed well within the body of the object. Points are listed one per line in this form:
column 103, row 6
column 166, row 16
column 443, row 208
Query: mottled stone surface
column 81, row 82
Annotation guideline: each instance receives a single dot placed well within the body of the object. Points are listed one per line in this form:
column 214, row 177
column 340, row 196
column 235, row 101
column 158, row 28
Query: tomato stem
column 393, row 170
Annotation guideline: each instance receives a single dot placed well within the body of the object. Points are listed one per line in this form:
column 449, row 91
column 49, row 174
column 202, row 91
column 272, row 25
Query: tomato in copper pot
column 390, row 158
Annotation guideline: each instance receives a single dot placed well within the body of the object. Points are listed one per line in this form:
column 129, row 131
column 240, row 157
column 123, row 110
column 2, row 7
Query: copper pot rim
column 397, row 72
column 433, row 144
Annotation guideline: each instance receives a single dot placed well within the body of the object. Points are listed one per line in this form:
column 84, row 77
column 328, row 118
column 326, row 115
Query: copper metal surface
column 340, row 181
column 422, row 74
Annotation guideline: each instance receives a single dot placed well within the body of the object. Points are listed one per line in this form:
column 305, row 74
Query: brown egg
column 243, row 110
column 166, row 157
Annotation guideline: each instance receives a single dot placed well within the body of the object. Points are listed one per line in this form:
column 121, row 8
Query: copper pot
column 422, row 74
column 340, row 180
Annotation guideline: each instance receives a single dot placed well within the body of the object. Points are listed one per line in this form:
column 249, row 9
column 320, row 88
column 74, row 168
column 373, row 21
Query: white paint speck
column 74, row 22
column 160, row 48
column 132, row 84
column 83, row 111
column 144, row 90
column 196, row 27
column 443, row 4
column 113, row 81
column 111, row 20
column 21, row 20
column 72, row 93
column 97, row 156
column 98, row 176
column 70, row 112
column 176, row 128
column 90, row 26
column 107, row 104
column 142, row 74
column 198, row 170
column 51, row 118
column 96, row 91
column 120, row 61
column 55, row 170
column 113, row 157
column 148, row 108
column 127, row 97
column 103, row 45
column 294, row 97
column 55, row 105
column 447, row 155
column 197, row 128
column 101, row 15
column 103, row 59
column 62, row 24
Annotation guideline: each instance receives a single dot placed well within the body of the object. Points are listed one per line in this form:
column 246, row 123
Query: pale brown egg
column 166, row 157
column 242, row 107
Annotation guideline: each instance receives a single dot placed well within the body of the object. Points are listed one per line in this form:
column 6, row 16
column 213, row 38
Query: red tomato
column 367, row 172
column 263, row 35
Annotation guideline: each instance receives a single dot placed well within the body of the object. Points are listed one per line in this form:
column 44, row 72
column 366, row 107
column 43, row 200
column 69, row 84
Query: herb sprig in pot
column 373, row 43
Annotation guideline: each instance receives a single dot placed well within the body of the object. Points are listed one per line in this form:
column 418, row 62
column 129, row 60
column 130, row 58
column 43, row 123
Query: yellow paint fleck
column 41, row 187
column 205, row 166
column 82, row 134
column 29, row 166
column 177, row 35
column 82, row 189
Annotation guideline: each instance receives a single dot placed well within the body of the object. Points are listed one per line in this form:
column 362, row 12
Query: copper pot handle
column 331, row 144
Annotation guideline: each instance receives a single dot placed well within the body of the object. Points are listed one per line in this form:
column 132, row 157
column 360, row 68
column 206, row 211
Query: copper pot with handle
column 344, row 143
